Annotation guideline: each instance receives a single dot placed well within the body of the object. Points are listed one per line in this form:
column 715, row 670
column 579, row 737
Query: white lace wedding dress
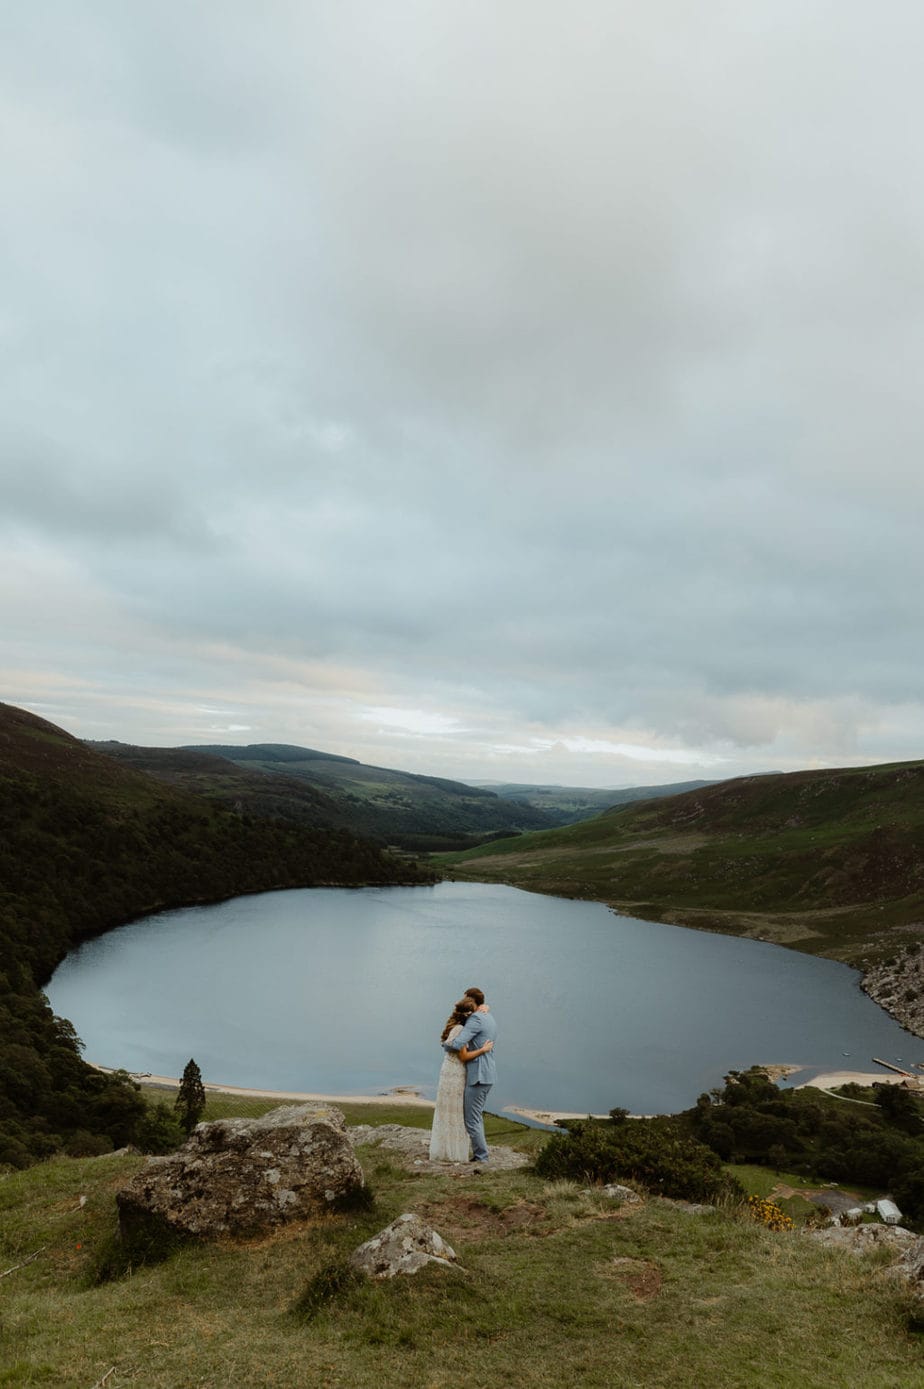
column 448, row 1139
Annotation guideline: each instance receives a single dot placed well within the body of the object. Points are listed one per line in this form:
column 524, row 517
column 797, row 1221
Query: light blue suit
column 480, row 1075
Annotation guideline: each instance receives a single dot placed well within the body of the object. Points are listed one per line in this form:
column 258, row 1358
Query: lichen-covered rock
column 860, row 1239
column 907, row 1248
column 404, row 1246
column 911, row 1264
column 622, row 1193
column 241, row 1177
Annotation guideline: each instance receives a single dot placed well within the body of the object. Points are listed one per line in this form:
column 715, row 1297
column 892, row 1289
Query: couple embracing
column 466, row 1077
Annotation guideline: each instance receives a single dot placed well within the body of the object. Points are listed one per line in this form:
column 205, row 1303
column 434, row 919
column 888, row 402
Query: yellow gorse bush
column 768, row 1213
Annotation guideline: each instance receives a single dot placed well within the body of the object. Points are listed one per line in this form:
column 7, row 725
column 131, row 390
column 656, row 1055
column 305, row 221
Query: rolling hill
column 569, row 804
column 234, row 785
column 829, row 862
column 403, row 808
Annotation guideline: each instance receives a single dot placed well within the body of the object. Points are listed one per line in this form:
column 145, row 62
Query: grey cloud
column 559, row 368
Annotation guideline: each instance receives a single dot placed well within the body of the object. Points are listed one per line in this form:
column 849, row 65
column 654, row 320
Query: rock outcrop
column 907, row 1248
column 407, row 1245
column 860, row 1239
column 625, row 1194
column 242, row 1177
column 897, row 985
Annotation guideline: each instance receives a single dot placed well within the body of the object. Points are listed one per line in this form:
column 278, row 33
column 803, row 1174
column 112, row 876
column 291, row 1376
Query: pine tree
column 190, row 1099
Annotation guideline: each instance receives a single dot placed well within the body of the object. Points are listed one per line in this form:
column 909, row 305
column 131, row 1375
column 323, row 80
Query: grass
column 762, row 1181
column 558, row 1281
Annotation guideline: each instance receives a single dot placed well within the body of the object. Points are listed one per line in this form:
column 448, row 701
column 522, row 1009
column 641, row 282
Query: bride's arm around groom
column 480, row 1075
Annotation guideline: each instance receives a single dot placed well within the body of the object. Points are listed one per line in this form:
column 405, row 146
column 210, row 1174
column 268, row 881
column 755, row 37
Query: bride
column 448, row 1139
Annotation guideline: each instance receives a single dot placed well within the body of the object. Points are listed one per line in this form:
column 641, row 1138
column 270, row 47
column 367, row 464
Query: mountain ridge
column 410, row 810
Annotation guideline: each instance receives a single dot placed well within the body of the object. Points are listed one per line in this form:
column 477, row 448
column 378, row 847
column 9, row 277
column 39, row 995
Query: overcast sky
column 498, row 389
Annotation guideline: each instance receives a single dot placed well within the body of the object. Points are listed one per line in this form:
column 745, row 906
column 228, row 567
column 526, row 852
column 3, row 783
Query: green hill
column 829, row 862
column 403, row 808
column 234, row 785
column 86, row 844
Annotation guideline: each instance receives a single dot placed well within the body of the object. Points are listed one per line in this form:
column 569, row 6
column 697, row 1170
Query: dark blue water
column 346, row 991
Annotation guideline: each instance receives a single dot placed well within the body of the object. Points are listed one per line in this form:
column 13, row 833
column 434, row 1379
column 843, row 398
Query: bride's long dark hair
column 460, row 1015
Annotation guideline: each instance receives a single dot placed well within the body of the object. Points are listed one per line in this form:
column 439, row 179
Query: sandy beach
column 551, row 1116
column 833, row 1079
column 401, row 1095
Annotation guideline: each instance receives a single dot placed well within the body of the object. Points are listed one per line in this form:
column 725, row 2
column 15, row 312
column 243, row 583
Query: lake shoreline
column 408, row 1096
column 293, row 987
column 400, row 1095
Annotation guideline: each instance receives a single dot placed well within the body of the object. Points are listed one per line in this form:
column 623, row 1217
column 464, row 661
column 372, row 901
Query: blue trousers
column 473, row 1102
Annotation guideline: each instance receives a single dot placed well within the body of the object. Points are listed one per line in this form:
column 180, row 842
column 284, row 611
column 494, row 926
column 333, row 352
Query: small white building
column 888, row 1212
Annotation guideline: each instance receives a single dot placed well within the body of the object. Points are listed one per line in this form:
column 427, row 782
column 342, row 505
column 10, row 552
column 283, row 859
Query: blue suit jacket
column 479, row 1029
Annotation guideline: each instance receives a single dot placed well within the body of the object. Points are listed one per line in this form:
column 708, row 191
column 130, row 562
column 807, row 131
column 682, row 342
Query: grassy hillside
column 234, row 785
column 560, row 1282
column 86, row 844
column 829, row 862
column 569, row 804
column 417, row 813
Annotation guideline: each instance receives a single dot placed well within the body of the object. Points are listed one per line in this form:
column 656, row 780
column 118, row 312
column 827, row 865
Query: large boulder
column 241, row 1177
column 407, row 1245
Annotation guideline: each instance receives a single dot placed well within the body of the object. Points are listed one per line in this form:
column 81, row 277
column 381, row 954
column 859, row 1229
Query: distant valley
column 572, row 803
column 304, row 786
column 412, row 811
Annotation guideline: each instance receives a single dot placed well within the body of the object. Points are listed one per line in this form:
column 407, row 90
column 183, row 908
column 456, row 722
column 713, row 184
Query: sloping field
column 830, row 862
column 560, row 1282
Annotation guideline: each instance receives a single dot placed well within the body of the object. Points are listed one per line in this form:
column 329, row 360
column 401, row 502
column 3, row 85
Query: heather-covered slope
column 830, row 862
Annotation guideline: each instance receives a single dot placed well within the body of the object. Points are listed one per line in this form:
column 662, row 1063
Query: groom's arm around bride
column 480, row 1074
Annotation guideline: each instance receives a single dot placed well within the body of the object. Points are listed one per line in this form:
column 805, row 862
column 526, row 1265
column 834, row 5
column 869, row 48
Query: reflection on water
column 346, row 990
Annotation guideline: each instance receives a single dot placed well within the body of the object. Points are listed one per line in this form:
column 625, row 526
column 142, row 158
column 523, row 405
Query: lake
column 341, row 990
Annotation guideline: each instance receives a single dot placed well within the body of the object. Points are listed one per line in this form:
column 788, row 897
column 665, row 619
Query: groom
column 480, row 1074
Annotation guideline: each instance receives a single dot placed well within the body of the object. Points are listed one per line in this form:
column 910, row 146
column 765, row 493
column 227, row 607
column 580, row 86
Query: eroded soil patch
column 465, row 1217
column 640, row 1277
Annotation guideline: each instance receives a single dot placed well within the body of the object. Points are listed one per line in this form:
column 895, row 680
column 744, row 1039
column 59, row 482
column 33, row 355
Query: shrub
column 84, row 1144
column 768, row 1213
column 652, row 1152
column 159, row 1131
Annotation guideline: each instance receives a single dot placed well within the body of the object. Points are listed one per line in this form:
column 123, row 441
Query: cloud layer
column 480, row 389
